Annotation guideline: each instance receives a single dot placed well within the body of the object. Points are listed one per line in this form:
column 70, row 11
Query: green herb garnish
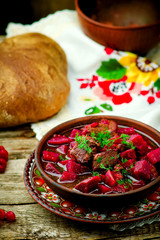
column 124, row 181
column 106, row 168
column 99, row 159
column 125, row 137
column 95, row 174
column 61, row 157
column 83, row 143
column 124, row 160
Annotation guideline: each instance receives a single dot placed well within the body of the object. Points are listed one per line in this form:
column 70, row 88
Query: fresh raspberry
column 3, row 165
column 3, row 153
column 10, row 216
column 2, row 214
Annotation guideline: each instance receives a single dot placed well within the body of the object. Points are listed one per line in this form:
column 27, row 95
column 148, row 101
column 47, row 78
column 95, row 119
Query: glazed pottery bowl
column 121, row 24
column 98, row 199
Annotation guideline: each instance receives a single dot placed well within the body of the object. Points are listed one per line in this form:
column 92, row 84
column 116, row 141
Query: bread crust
column 33, row 79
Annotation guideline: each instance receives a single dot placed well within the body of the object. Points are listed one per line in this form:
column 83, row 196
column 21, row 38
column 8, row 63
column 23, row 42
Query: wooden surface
column 32, row 220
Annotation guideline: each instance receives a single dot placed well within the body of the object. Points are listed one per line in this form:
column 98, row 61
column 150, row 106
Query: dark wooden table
column 32, row 220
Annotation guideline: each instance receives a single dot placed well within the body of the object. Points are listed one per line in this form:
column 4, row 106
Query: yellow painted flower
column 140, row 69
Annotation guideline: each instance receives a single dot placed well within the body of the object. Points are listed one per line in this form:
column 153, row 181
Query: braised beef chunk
column 105, row 159
column 102, row 126
column 84, row 149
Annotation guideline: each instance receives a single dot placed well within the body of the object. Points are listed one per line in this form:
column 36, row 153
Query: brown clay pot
column 121, row 24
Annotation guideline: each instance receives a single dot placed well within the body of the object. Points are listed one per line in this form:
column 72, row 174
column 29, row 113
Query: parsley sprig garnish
column 124, row 138
column 106, row 168
column 124, row 160
column 124, row 181
column 95, row 174
column 102, row 138
column 83, row 143
column 105, row 139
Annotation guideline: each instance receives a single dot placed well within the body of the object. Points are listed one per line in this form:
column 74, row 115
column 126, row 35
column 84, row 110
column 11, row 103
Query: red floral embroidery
column 151, row 99
column 88, row 82
column 110, row 88
column 144, row 92
column 158, row 94
column 108, row 50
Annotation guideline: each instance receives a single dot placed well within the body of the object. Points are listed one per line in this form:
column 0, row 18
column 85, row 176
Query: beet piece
column 143, row 148
column 128, row 154
column 154, row 172
column 63, row 162
column 154, row 156
column 142, row 170
column 117, row 139
column 72, row 144
column 88, row 185
column 76, row 167
column 109, row 178
column 117, row 175
column 121, row 188
column 128, row 130
column 138, row 142
column 50, row 168
column 118, row 167
column 104, row 189
column 94, row 124
column 129, row 164
column 102, row 176
column 62, row 149
column 59, row 139
column 68, row 177
column 51, row 156
column 74, row 132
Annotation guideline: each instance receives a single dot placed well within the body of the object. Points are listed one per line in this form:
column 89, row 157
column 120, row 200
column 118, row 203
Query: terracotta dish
column 76, row 196
column 122, row 25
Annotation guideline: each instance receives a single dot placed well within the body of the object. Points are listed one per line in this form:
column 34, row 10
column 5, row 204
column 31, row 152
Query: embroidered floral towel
column 103, row 80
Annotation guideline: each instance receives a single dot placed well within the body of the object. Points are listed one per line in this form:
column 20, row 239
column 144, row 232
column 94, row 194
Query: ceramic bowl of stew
column 121, row 24
column 100, row 160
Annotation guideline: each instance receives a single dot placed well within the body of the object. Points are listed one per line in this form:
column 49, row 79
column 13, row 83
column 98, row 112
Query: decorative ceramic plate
column 138, row 214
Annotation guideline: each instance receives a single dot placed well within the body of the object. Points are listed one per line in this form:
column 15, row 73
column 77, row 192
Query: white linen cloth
column 85, row 57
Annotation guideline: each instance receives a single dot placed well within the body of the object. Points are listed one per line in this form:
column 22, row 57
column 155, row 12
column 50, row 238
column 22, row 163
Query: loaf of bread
column 33, row 79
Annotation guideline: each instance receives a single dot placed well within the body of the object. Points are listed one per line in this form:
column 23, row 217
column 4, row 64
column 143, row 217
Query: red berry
column 10, row 216
column 3, row 165
column 2, row 214
column 3, row 153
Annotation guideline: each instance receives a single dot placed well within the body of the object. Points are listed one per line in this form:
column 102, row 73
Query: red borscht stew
column 101, row 158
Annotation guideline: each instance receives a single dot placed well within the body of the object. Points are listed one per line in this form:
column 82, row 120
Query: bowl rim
column 103, row 25
column 50, row 133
